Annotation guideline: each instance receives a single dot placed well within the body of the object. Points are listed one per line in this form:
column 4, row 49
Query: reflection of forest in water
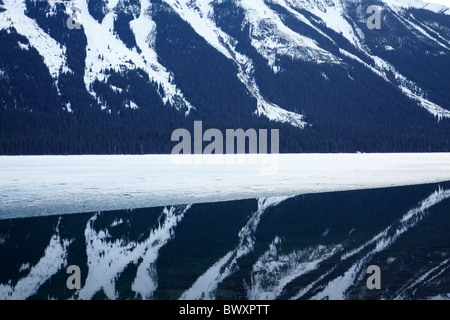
column 306, row 247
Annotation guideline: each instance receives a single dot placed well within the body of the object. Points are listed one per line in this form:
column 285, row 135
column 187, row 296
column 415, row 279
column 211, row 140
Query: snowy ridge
column 418, row 4
column 333, row 15
column 205, row 286
column 288, row 5
column 55, row 257
column 107, row 259
column 53, row 53
column 198, row 14
column 273, row 271
column 144, row 29
column 408, row 87
column 268, row 32
column 331, row 12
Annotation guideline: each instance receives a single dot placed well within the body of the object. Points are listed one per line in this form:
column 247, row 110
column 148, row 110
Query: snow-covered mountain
column 305, row 63
column 305, row 247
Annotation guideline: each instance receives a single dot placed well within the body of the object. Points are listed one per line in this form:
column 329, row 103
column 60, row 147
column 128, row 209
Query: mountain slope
column 138, row 69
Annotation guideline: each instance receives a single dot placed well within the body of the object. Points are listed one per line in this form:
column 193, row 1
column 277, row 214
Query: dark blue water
column 305, row 247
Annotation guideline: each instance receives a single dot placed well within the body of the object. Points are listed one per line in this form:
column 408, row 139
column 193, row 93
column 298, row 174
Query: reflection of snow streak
column 337, row 288
column 422, row 280
column 199, row 14
column 272, row 272
column 55, row 257
column 145, row 282
column 108, row 259
column 206, row 284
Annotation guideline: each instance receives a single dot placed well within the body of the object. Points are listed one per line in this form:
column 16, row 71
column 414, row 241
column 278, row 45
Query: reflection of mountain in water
column 305, row 247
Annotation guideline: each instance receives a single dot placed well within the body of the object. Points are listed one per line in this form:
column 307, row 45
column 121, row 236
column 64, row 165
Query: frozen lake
column 49, row 185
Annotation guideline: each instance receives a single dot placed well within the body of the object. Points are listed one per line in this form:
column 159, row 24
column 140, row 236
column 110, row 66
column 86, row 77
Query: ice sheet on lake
column 47, row 185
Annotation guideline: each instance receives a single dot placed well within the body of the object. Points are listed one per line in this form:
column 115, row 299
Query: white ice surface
column 46, row 185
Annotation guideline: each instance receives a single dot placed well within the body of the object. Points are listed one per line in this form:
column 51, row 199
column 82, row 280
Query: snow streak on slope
column 398, row 5
column 108, row 259
column 288, row 6
column 199, row 15
column 205, row 286
column 337, row 288
column 440, row 37
column 55, row 257
column 53, row 53
column 419, row 30
column 146, row 281
column 273, row 271
column 105, row 51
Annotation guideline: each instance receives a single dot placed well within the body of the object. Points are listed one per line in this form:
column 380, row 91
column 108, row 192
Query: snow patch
column 144, row 29
column 423, row 279
column 107, row 259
